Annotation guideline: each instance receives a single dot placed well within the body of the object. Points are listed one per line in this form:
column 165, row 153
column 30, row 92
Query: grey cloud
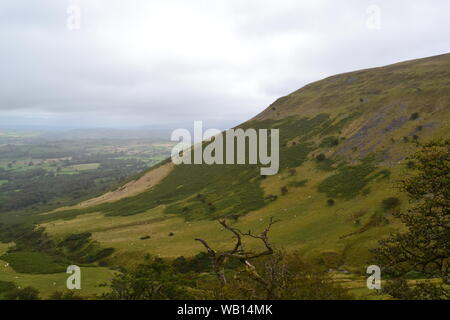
column 144, row 62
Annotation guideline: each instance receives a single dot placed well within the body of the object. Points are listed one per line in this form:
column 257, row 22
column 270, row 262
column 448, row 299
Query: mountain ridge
column 344, row 141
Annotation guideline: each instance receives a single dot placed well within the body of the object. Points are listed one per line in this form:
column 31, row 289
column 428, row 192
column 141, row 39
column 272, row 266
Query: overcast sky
column 144, row 62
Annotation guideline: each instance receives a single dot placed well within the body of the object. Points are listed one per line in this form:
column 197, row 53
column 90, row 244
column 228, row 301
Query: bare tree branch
column 238, row 252
column 210, row 251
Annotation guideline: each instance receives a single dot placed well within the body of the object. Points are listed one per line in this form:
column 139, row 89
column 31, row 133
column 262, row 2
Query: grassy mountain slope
column 344, row 142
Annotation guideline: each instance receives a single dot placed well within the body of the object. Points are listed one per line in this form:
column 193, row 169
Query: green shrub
column 329, row 142
column 27, row 293
column 295, row 156
column 390, row 203
column 271, row 197
column 97, row 255
column 410, row 164
column 65, row 295
column 375, row 220
column 154, row 280
column 74, row 242
column 5, row 287
column 382, row 174
column 414, row 116
column 199, row 263
column 348, row 181
column 325, row 165
column 320, row 157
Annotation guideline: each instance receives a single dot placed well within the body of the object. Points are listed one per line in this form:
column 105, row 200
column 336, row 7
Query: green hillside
column 344, row 142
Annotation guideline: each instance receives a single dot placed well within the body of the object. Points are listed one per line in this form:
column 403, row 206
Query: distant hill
column 344, row 142
column 44, row 134
column 108, row 133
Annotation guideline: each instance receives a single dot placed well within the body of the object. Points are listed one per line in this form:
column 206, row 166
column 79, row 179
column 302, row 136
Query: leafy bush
column 65, row 295
column 98, row 254
column 329, row 142
column 348, row 181
column 410, row 164
column 385, row 173
column 154, row 280
column 325, row 164
column 320, row 157
column 75, row 241
column 295, row 156
column 271, row 197
column 27, row 293
column 197, row 264
column 5, row 288
column 414, row 116
column 390, row 203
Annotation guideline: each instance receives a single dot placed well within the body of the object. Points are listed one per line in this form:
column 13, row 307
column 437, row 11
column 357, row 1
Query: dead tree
column 238, row 252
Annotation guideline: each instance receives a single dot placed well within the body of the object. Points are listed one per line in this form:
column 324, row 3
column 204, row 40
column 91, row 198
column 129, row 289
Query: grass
column 298, row 184
column 307, row 224
column 34, row 262
column 5, row 287
column 91, row 278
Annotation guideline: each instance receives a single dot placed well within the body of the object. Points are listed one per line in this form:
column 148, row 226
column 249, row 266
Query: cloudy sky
column 116, row 63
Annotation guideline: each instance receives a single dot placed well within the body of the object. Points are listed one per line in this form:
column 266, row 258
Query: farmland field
column 38, row 175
